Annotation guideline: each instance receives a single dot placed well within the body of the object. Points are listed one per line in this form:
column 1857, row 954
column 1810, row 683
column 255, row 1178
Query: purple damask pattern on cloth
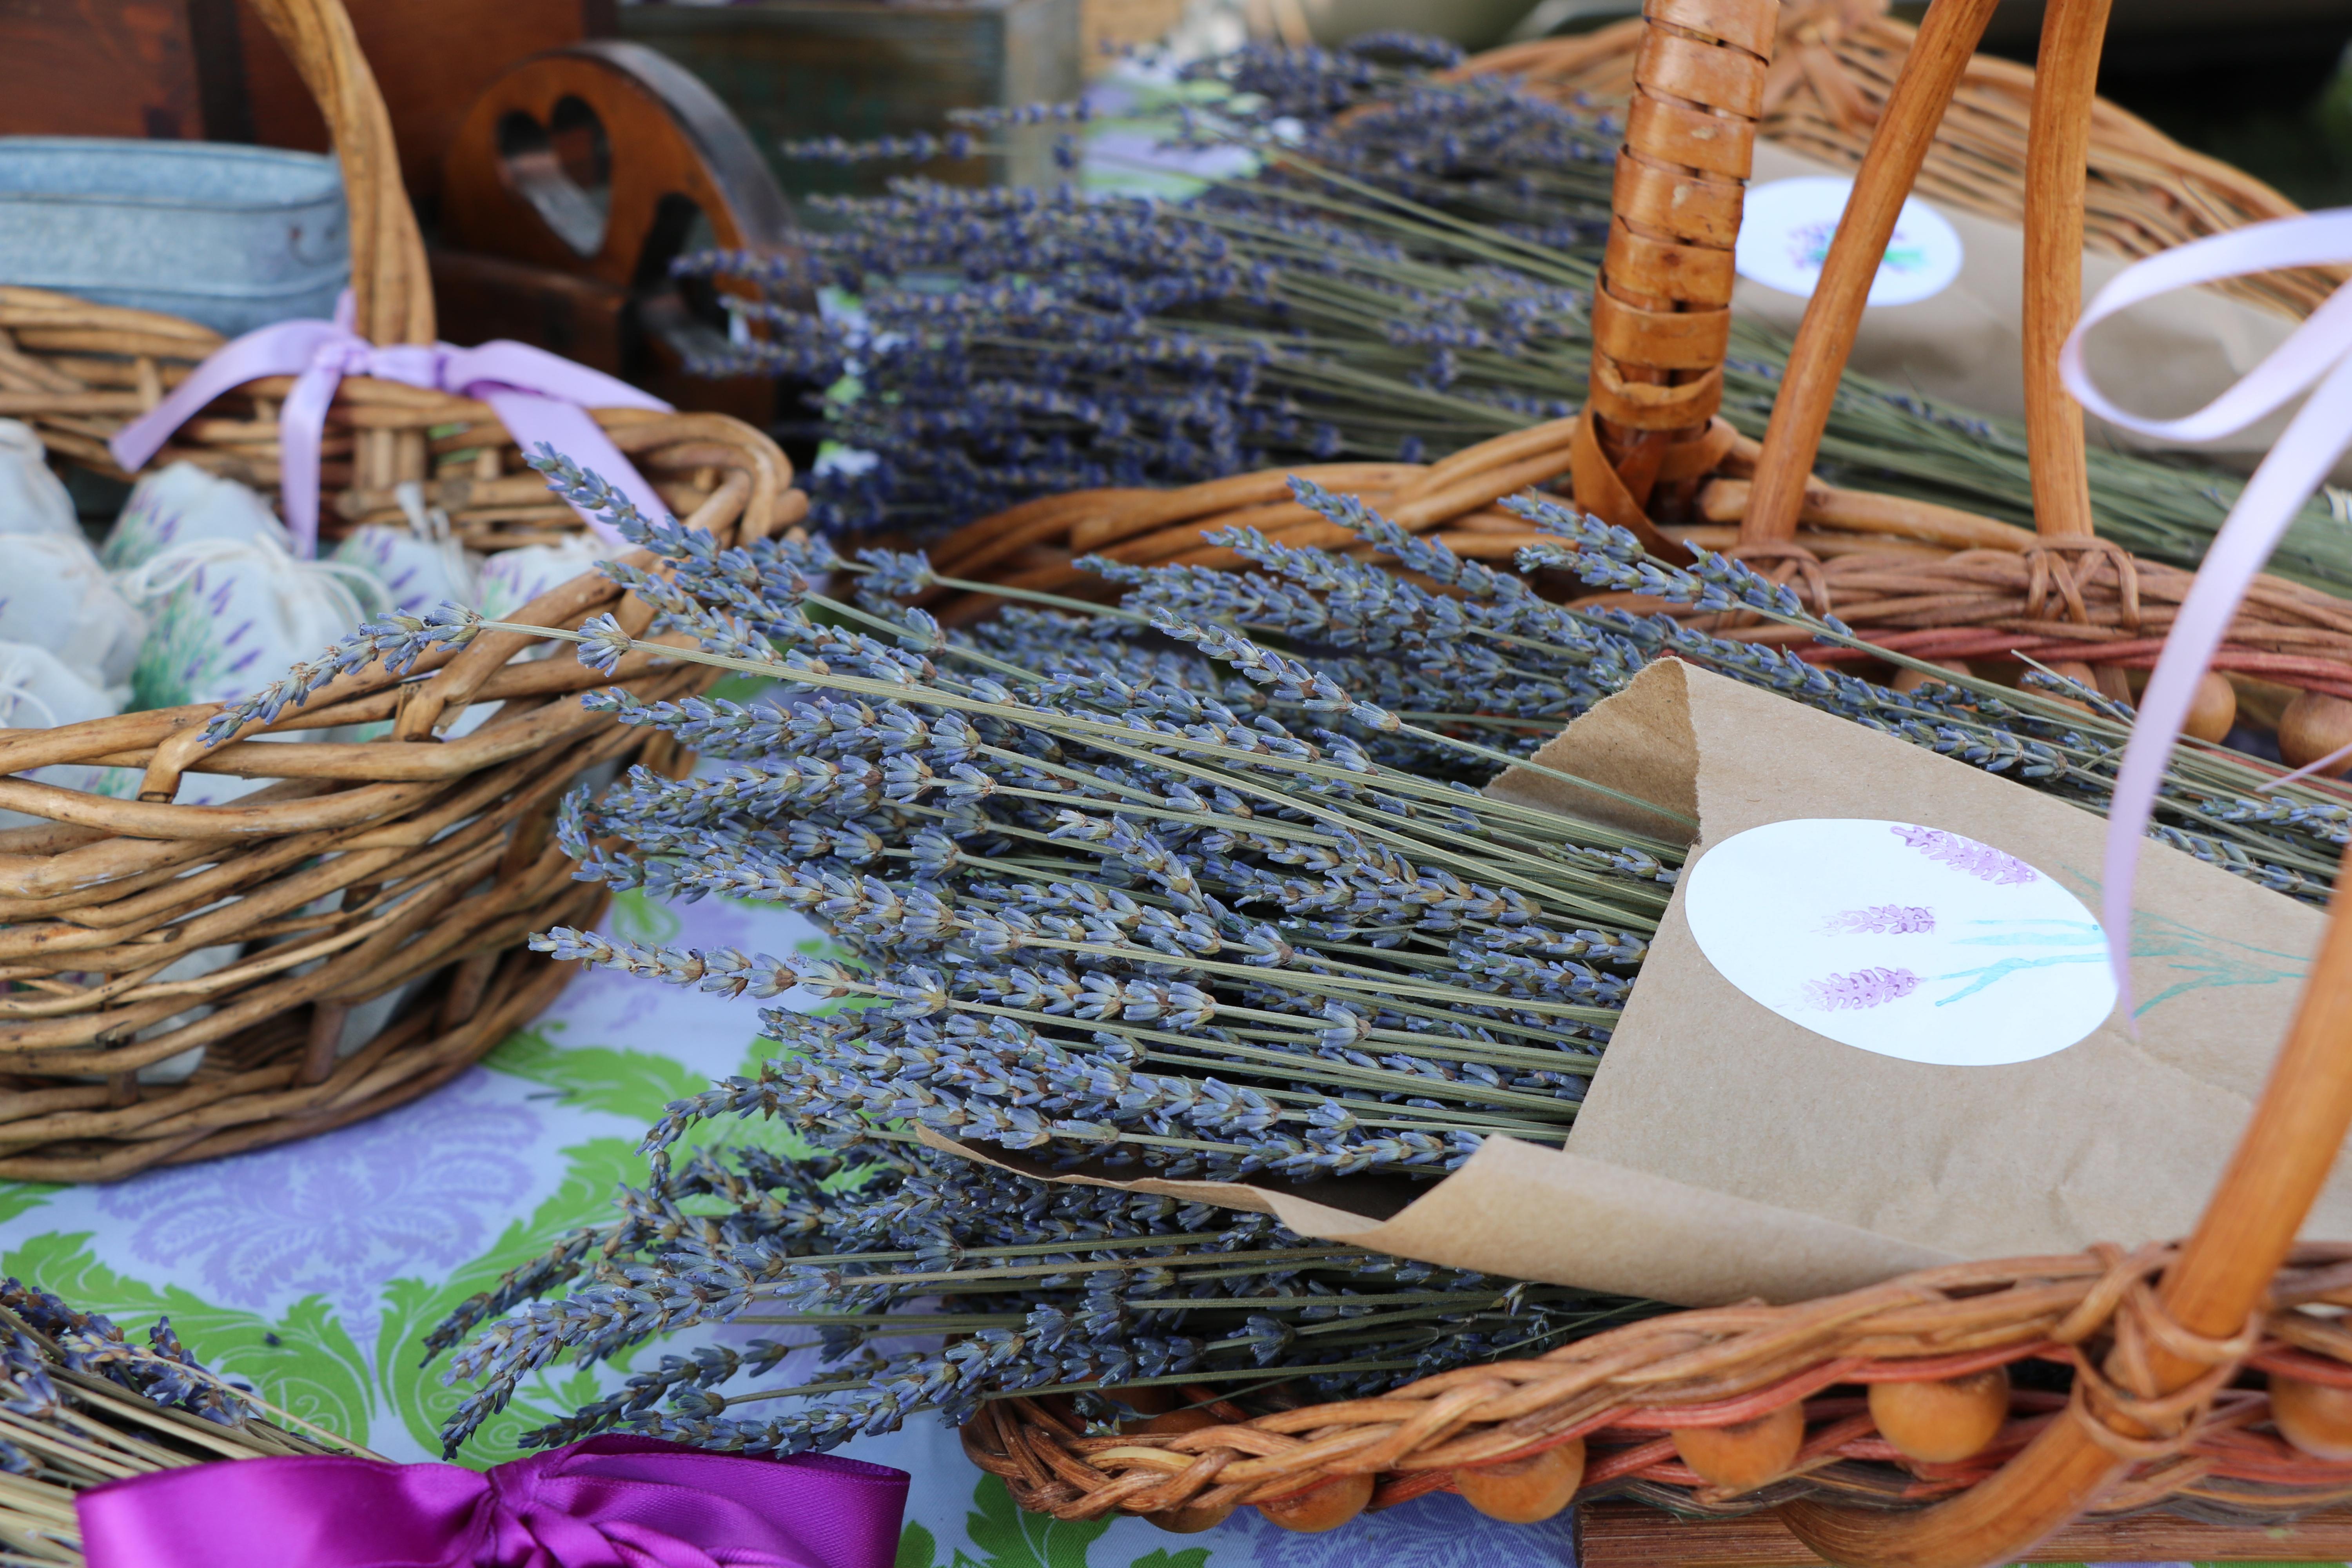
column 1881, row 919
column 1982, row 861
column 1862, row 988
column 412, row 1195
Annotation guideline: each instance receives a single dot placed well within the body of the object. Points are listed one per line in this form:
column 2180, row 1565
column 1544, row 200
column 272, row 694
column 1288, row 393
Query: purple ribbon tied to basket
column 539, row 397
column 2318, row 357
column 609, row 1502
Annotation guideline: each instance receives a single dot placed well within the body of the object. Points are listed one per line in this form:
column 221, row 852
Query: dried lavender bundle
column 1113, row 893
column 1035, row 1289
column 1213, row 912
column 82, row 1405
column 1104, row 900
column 1406, row 272
column 1539, row 663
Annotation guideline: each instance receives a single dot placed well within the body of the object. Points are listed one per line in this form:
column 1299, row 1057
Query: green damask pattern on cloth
column 315, row 1269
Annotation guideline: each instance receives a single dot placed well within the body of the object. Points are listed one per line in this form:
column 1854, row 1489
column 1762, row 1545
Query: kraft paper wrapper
column 2169, row 356
column 1725, row 1152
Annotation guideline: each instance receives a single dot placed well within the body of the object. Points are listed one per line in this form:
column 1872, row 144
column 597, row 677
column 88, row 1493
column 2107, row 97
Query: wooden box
column 800, row 69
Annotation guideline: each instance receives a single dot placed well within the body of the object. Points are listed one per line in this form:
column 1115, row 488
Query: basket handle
column 2057, row 177
column 2058, row 146
column 1662, row 304
column 390, row 285
column 2215, row 1286
column 1931, row 72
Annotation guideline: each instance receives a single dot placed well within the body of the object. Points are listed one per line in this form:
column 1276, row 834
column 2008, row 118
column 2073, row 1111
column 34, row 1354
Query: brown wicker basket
column 407, row 865
column 2159, row 1409
column 1649, row 453
column 1916, row 578
column 2213, row 1379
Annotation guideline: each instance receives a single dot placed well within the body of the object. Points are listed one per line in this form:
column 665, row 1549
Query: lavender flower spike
column 399, row 640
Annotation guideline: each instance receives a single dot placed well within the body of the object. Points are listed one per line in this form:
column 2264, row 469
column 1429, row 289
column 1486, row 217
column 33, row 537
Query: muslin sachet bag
column 513, row 578
column 32, row 499
column 422, row 566
column 180, row 505
column 55, row 595
column 419, row 562
column 227, row 616
column 40, row 692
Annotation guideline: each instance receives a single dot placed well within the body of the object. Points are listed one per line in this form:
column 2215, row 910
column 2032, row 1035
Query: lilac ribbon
column 539, row 397
column 609, row 1502
column 2319, row 355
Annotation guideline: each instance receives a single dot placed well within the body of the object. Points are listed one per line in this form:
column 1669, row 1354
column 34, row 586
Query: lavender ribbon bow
column 2317, row 357
column 540, row 397
column 609, row 1502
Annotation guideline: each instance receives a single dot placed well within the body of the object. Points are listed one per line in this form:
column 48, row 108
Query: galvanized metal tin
column 232, row 236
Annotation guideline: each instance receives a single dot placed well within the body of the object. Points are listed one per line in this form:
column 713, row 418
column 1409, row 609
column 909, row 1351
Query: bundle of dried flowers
column 81, row 1405
column 1132, row 886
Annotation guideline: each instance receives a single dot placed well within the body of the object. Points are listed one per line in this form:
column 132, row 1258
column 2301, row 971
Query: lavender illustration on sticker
column 1881, row 919
column 1982, row 861
column 1863, row 988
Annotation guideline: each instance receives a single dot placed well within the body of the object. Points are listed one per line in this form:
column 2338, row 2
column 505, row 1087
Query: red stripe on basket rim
column 2302, row 1365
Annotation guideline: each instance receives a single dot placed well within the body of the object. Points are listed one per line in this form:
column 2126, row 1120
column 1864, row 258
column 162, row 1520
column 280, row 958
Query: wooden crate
column 798, row 68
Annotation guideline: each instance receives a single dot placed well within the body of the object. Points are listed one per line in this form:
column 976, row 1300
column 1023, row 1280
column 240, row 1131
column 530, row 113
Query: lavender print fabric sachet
column 226, row 604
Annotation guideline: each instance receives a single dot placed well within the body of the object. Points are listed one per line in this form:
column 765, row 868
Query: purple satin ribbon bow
column 609, row 1502
column 540, row 397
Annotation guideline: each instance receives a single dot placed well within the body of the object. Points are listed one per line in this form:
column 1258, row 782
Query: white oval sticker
column 1903, row 940
column 1786, row 228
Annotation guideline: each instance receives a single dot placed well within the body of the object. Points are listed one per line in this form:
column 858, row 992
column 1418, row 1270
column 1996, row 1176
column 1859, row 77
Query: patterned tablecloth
column 314, row 1269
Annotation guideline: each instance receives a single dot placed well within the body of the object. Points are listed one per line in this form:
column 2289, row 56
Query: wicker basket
column 1924, row 580
column 1889, row 565
column 2159, row 1409
column 407, row 867
column 2187, row 1378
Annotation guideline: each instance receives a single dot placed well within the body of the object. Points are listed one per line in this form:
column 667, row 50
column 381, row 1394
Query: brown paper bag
column 1967, row 345
column 1725, row 1151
